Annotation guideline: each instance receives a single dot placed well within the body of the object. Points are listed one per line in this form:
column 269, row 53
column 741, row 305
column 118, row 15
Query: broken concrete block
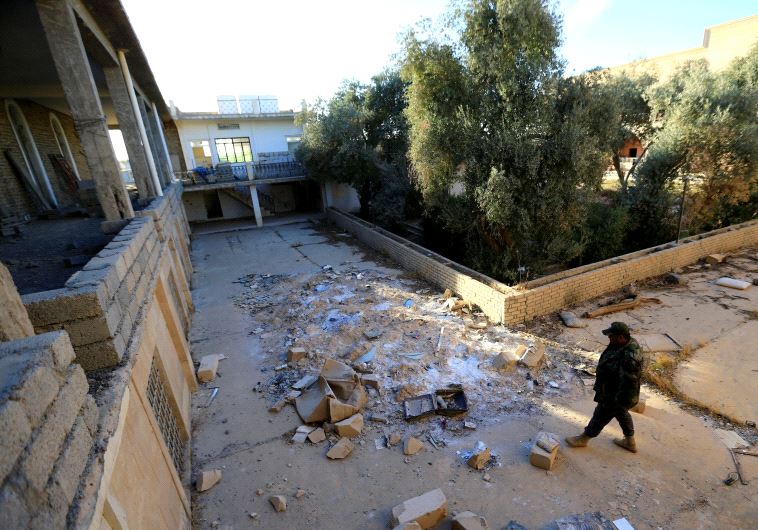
column 370, row 380
column 313, row 404
column 479, row 457
column 534, row 356
column 393, row 439
column 379, row 418
column 506, row 360
column 279, row 502
column 208, row 368
column 341, row 449
column 412, row 446
column 208, row 479
column 413, row 525
column 299, row 438
column 317, row 436
column 296, row 354
column 278, row 406
column 426, row 510
column 305, row 382
column 469, row 521
column 302, row 432
column 715, row 259
column 639, row 408
column 350, row 427
column 373, row 333
column 341, row 378
column 547, row 441
column 570, row 320
column 338, row 410
column 358, row 398
column 292, row 395
column 541, row 458
column 469, row 425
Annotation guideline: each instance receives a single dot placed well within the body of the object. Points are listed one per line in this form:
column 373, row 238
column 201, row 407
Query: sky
column 302, row 49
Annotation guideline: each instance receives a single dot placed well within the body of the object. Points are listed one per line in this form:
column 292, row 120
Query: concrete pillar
column 14, row 320
column 163, row 145
column 72, row 64
column 153, row 142
column 256, row 205
column 139, row 154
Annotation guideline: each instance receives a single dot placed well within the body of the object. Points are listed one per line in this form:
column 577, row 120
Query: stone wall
column 488, row 294
column 549, row 293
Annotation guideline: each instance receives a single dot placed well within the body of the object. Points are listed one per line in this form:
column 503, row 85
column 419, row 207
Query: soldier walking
column 617, row 388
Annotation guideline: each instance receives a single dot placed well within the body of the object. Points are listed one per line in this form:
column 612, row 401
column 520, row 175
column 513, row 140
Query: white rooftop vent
column 227, row 104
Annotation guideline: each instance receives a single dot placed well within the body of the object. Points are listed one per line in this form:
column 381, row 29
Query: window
column 63, row 147
column 201, row 153
column 36, row 176
column 234, row 150
column 292, row 143
column 632, row 152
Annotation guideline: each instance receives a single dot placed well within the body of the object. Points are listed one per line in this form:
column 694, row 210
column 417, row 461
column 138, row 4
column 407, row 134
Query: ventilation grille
column 156, row 395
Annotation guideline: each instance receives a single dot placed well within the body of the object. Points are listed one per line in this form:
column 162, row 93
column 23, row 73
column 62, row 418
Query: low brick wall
column 549, row 293
column 48, row 425
column 488, row 294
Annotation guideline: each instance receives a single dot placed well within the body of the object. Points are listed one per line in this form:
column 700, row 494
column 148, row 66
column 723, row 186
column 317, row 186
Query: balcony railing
column 242, row 172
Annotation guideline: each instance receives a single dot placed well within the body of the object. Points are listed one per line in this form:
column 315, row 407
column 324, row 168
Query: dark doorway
column 212, row 205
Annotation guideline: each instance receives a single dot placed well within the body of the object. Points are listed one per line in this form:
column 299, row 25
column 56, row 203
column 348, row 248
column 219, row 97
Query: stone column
column 128, row 122
column 72, row 64
column 153, row 141
column 256, row 205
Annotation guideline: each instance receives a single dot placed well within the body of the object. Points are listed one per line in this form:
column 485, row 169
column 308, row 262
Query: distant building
column 241, row 163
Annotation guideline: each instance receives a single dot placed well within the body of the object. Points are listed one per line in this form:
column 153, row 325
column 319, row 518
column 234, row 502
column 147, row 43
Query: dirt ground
column 259, row 291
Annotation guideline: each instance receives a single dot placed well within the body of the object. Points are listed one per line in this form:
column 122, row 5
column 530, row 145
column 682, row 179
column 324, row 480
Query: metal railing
column 238, row 172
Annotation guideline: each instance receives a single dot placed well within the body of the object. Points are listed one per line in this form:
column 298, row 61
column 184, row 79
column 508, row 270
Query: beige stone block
column 296, row 354
column 339, row 411
column 469, row 521
column 426, row 510
column 534, row 356
column 208, row 479
column 317, row 436
column 412, row 446
column 208, row 368
column 350, row 427
column 313, row 404
column 279, row 502
column 341, row 449
column 543, row 459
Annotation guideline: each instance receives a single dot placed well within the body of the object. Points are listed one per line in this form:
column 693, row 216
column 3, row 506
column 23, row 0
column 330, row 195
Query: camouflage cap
column 617, row 328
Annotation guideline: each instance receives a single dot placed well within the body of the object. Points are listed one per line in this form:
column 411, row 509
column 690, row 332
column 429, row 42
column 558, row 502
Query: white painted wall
column 266, row 135
column 342, row 196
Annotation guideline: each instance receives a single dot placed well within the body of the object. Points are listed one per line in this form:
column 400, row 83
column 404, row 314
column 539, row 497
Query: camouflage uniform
column 617, row 387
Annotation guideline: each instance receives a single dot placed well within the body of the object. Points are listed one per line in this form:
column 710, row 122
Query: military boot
column 578, row 441
column 627, row 442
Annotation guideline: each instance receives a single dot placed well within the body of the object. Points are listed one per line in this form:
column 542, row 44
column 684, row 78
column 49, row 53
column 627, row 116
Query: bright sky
column 303, row 49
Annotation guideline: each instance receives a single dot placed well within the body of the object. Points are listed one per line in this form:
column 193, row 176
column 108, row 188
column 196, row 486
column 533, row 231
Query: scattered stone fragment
column 259, row 492
column 358, row 398
column 341, row 449
column 313, row 404
column 447, row 294
column 639, row 408
column 547, row 441
column 412, row 446
column 373, row 333
column 208, row 368
column 506, row 360
column 534, row 356
column 281, row 367
column 469, row 425
column 278, row 406
column 515, row 525
column 279, row 502
column 413, row 525
column 394, row 439
column 341, row 378
column 553, row 384
column 208, row 479
column 370, row 380
column 469, row 521
column 292, row 395
column 479, row 457
column 296, row 353
column 427, row 510
column 300, row 494
column 338, row 410
column 379, row 418
column 570, row 320
column 299, row 438
column 487, row 477
column 253, row 515
column 715, row 259
column 540, row 457
column 305, row 382
column 317, row 436
column 302, row 432
column 350, row 427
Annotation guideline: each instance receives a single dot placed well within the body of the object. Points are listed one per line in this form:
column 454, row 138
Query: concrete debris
column 358, row 398
column 479, row 457
column 292, row 395
column 593, row 520
column 278, row 406
column 373, row 333
column 547, row 441
column 338, row 410
column 469, row 425
column 413, row 525
column 469, row 521
column 570, row 320
column 350, row 427
column 733, row 283
column 208, row 368
column 506, row 360
column 623, row 524
column 208, row 479
column 731, row 439
column 313, row 404
column 427, row 510
column 553, row 384
column 341, row 378
column 366, row 357
column 296, row 354
column 259, row 492
column 715, row 259
column 279, row 502
column 379, row 418
column 540, row 457
column 534, row 356
column 412, row 446
column 639, row 408
column 487, row 477
column 515, row 525
column 302, row 432
column 281, row 367
column 300, row 494
column 305, row 382
column 341, row 449
column 370, row 380
column 394, row 439
column 317, row 436
column 447, row 294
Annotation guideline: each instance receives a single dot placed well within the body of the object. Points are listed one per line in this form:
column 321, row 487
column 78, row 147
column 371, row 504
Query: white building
column 242, row 163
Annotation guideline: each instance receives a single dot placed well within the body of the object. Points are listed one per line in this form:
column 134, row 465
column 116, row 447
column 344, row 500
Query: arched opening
column 62, row 141
column 37, row 176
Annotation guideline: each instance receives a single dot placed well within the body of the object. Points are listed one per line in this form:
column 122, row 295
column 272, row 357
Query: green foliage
column 604, row 231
